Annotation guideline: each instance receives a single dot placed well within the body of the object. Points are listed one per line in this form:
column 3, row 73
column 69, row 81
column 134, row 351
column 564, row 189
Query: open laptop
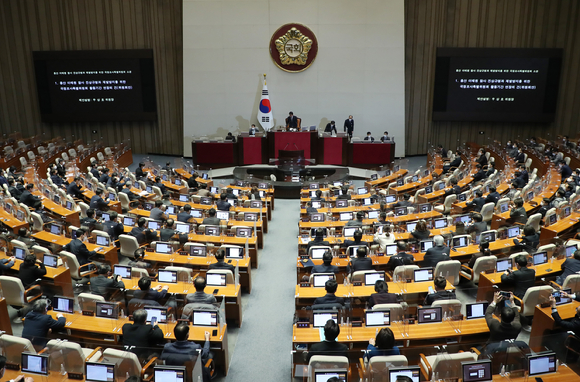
column 215, row 279
column 477, row 371
column 390, row 199
column 429, row 315
column 19, row 253
column 154, row 225
column 122, row 270
column 197, row 250
column 34, row 363
column 55, row 229
column 423, row 274
column 99, row 372
column 316, row 217
column 195, row 213
column 425, row 207
column 349, row 231
column 377, row 317
column 234, row 252
column 345, row 216
column 317, row 253
column 250, row 216
column 50, row 260
column 390, row 249
column 440, row 223
column 212, row 230
column 460, row 242
column 411, row 372
column 159, row 312
column 476, row 310
column 503, row 265
column 165, row 248
column 570, row 249
column 204, row 318
column 63, row 304
column 323, row 375
column 183, row 198
column 373, row 277
column 319, row 317
column 105, row 216
column 107, row 309
column 183, row 228
column 320, row 279
column 129, row 221
column 513, row 232
column 540, row 258
column 341, row 203
column 361, row 190
column 373, row 215
column 543, row 363
column 103, row 241
column 426, row 245
column 165, row 276
column 243, row 231
column 170, row 210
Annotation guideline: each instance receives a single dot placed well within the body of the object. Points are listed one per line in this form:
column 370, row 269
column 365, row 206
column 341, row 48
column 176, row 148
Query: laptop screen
column 244, row 231
column 107, row 309
column 503, row 207
column 373, row 215
column 345, row 216
column 401, row 211
column 319, row 318
column 165, row 276
column 411, row 372
column 429, row 315
column 541, row 364
column 234, row 252
column 372, row 278
column 440, row 223
column 250, row 216
column 214, row 190
column 99, row 372
column 476, row 310
column 163, row 248
column 570, row 250
column 263, row 185
column 206, row 201
column 466, row 219
column 197, row 250
column 428, row 189
column 426, row 207
column 55, row 229
column 215, row 279
column 361, row 190
column 19, row 253
column 513, row 232
column 204, row 318
column 317, row 253
column 540, row 258
column 314, row 186
column 377, row 317
column 35, row 363
column 128, row 221
column 152, row 224
column 106, row 217
column 411, row 226
column 63, row 304
column 320, row 279
column 349, row 231
column 374, row 176
column 183, row 198
column 50, row 260
column 195, row 213
column 390, row 249
column 479, row 371
column 212, row 230
column 20, row 215
column 324, row 375
column 102, row 240
column 459, row 242
column 182, row 228
column 487, row 236
column 158, row 312
column 341, row 203
column 257, row 203
column 170, row 210
column 503, row 265
column 222, row 215
column 426, row 245
column 317, row 217
column 423, row 274
column 123, row 271
column 390, row 199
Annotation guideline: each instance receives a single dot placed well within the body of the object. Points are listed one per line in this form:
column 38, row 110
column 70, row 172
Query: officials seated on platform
column 570, row 266
column 439, row 252
column 185, row 215
column 358, row 221
column 509, row 325
column 318, row 239
column 37, row 323
column 401, row 257
column 361, row 262
column 104, row 286
column 440, row 293
column 230, row 138
column 521, row 279
column 421, row 232
column 382, row 239
column 385, row 137
column 253, row 130
column 329, row 346
column 78, row 248
column 369, row 137
column 140, row 337
column 141, row 233
column 291, row 121
column 326, row 266
column 383, row 345
column 158, row 212
column 220, row 256
column 382, row 295
column 222, row 204
column 330, row 297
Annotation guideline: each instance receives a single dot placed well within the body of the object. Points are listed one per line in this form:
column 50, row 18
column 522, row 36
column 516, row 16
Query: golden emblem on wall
column 293, row 47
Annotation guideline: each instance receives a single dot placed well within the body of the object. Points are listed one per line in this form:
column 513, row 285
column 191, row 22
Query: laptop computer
column 197, row 250
column 320, row 317
column 222, row 215
column 320, row 279
column 102, row 241
column 129, row 221
column 234, row 252
column 105, row 309
column 50, row 260
column 543, row 363
column 165, row 276
column 377, row 317
column 476, row 310
column 215, row 279
column 204, row 318
column 63, row 304
column 165, row 248
column 423, row 274
column 411, row 372
column 99, row 372
column 122, row 270
column 34, row 363
column 429, row 315
column 372, row 278
column 157, row 312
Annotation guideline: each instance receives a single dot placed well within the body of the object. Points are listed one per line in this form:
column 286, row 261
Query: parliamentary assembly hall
column 300, row 191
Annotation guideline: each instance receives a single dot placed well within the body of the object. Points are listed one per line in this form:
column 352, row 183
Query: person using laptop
column 104, row 286
column 318, row 239
column 199, row 297
column 127, row 191
column 483, row 251
column 141, row 338
column 139, row 259
column 405, row 202
column 478, row 225
column 161, row 186
column 455, row 189
column 185, row 216
column 569, row 266
column 382, row 295
column 37, row 323
column 383, row 345
column 158, row 212
column 509, row 325
column 146, row 293
column 440, row 293
column 222, row 204
column 518, row 212
column 530, row 239
column 401, row 257
column 358, row 221
column 318, row 196
column 97, row 202
column 493, row 195
column 479, row 174
column 329, row 346
column 24, row 236
column 345, row 195
column 78, row 248
column 6, row 264
column 88, row 223
column 182, row 350
column 361, row 262
column 357, row 236
column 141, row 233
column 31, row 270
column 211, row 219
column 330, row 297
column 113, row 227
column 521, row 279
column 220, row 255
column 326, row 266
column 421, row 232
column 27, row 198
column 439, row 252
column 382, row 239
column 167, row 232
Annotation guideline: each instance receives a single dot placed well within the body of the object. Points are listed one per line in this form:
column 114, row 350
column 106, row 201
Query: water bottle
column 62, row 370
column 122, row 314
column 502, row 371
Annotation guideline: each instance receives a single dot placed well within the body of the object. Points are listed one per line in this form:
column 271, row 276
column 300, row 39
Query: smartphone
column 557, row 294
column 506, row 295
column 214, row 332
column 229, row 261
column 431, row 290
column 215, row 291
column 153, row 321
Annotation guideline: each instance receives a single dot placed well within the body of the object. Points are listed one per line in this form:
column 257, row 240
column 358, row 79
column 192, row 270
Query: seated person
column 167, row 232
column 439, row 252
column 183, row 350
column 29, row 271
column 493, row 195
column 146, row 293
column 479, row 174
column 140, row 337
column 326, row 266
column 483, row 251
column 330, row 298
column 113, row 227
column 382, row 295
column 369, row 137
column 127, row 190
column 387, row 237
column 158, row 212
column 230, row 194
column 221, row 264
column 454, row 163
column 357, row 236
column 211, row 219
column 421, row 232
column 477, row 202
column 318, row 239
column 530, row 240
column 345, row 195
column 518, row 213
column 459, row 229
column 318, row 196
column 509, row 327
column 89, row 222
column 405, row 202
column 97, row 202
column 478, row 225
column 27, row 198
column 329, row 346
column 37, row 323
column 440, row 293
column 401, row 257
column 574, row 323
column 455, row 189
column 78, row 248
column 310, row 209
column 200, row 296
column 385, row 137
column 102, row 285
column 185, row 216
column 24, row 236
column 569, row 266
column 222, row 204
column 230, row 137
column 361, row 262
column 384, row 344
column 358, row 222
column 521, row 279
column 143, row 234
column 6, row 264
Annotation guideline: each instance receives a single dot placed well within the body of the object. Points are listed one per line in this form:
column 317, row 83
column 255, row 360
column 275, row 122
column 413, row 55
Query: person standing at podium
column 349, row 126
column 330, row 127
column 253, row 130
column 291, row 121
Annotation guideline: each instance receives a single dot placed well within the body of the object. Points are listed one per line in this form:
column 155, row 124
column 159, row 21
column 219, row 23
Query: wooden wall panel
column 31, row 25
column 486, row 24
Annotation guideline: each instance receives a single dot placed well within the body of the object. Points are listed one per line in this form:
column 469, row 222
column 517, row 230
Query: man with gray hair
column 439, row 252
column 37, row 323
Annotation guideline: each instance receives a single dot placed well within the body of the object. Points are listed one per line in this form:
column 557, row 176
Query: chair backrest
column 318, row 247
column 572, row 282
column 129, row 245
column 13, row 346
column 551, row 211
column 157, row 191
column 139, row 272
column 20, row 244
column 404, row 271
column 378, row 368
column 451, row 363
column 37, row 223
column 482, row 264
column 450, row 270
column 67, row 353
column 72, row 263
column 487, row 211
column 23, row 162
column 87, row 301
column 549, row 248
column 318, row 362
column 183, row 273
column 100, row 156
column 397, row 311
column 534, row 221
column 449, row 200
column 449, row 307
column 13, row 291
column 124, row 199
column 533, row 297
column 227, row 272
column 127, row 363
column 84, row 207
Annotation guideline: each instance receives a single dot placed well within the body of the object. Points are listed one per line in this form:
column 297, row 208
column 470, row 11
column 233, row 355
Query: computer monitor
column 214, row 190
column 552, row 219
column 99, row 372
column 257, row 203
column 373, row 215
column 106, row 217
column 429, row 315
column 387, row 173
column 504, row 207
column 462, row 197
column 34, row 363
column 56, row 199
column 154, row 225
column 102, row 241
column 19, row 253
column 69, row 205
column 543, row 363
column 204, row 318
column 503, row 265
column 428, row 189
column 540, row 258
column 195, row 213
column 205, row 176
column 400, row 182
column 361, row 190
column 314, row 186
column 411, row 226
column 488, row 236
column 63, row 304
column 319, row 318
column 250, row 216
column 477, row 371
column 374, row 176
column 55, row 229
column 165, row 276
column 460, row 242
column 183, row 228
column 128, row 221
column 323, row 375
column 197, row 250
column 372, row 277
column 243, row 231
column 206, row 201
column 567, row 211
column 411, row 372
column 476, row 310
column 425, row 207
column 317, row 253
column 50, row 260
column 183, row 198
column 222, row 215
column 390, row 199
column 320, row 279
column 162, row 247
column 19, row 215
column 177, row 182
column 105, row 309
column 390, row 249
column 570, row 249
column 513, row 232
column 425, row 245
column 401, row 211
column 232, row 202
column 234, row 252
column 440, row 223
column 170, row 210
column 317, row 217
column 149, row 189
column 112, row 196
column 466, row 219
column 263, row 185
column 349, row 231
column 215, row 279
column 212, row 230
column 341, row 203
column 159, row 312
column 396, row 168
column 345, row 216
column 122, row 270
column 423, row 274
column 377, row 317
column 367, row 201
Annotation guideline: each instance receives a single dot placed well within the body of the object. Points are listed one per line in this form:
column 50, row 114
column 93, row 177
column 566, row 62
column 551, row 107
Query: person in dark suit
column 509, row 327
column 404, row 203
column 454, row 163
column 37, row 323
column 29, row 271
column 182, row 350
column 291, row 121
column 361, row 262
column 326, row 266
column 349, row 126
column 369, row 137
column 545, row 206
column 520, row 156
column 439, row 252
column 60, row 169
column 222, row 204
column 421, row 232
column 146, row 293
column 329, row 346
column 30, row 200
column 127, row 191
column 199, row 297
column 102, row 285
column 569, row 266
column 358, row 222
column 78, row 247
column 220, row 255
column 139, row 173
column 483, row 251
column 440, row 283
column 401, row 257
column 477, row 202
column 479, row 174
column 318, row 239
column 14, row 191
column 481, row 159
column 490, row 169
column 104, row 176
column 253, row 130
column 565, row 171
column 185, row 215
column 385, row 137
column 518, row 213
column 455, row 189
column 530, row 239
column 141, row 233
column 158, row 212
column 522, row 279
column 318, row 196
column 344, row 195
column 113, row 227
column 382, row 295
column 518, row 181
column 88, row 223
column 574, row 323
column 357, row 236
column 330, row 127
column 310, row 209
column 167, row 232
column 478, row 225
column 211, row 219
column 97, row 202
column 141, row 337
column 493, row 195
column 329, row 298
column 56, row 179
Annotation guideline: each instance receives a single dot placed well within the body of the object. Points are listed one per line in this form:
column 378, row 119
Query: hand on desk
column 164, row 287
column 206, row 334
column 59, row 315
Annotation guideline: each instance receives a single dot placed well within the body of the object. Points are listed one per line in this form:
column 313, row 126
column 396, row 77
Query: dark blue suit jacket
column 36, row 327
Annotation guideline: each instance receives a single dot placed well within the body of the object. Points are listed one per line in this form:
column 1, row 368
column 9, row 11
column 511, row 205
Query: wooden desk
column 220, row 240
column 543, row 322
column 11, row 222
column 385, row 180
column 109, row 253
column 71, row 217
column 113, row 205
column 561, row 228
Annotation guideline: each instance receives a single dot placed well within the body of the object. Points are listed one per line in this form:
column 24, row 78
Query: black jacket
column 183, row 217
column 439, row 295
column 36, row 327
column 492, row 197
column 329, row 298
column 360, row 264
column 499, row 331
column 573, row 324
column 477, row 204
column 30, row 200
column 114, row 229
column 165, row 234
column 28, row 274
column 521, row 280
column 222, row 265
column 97, row 203
column 327, row 348
column 569, row 267
column 383, row 298
column 223, row 205
column 79, row 249
column 142, row 337
column 480, row 175
column 434, row 255
column 401, row 258
column 104, row 286
column 321, row 268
